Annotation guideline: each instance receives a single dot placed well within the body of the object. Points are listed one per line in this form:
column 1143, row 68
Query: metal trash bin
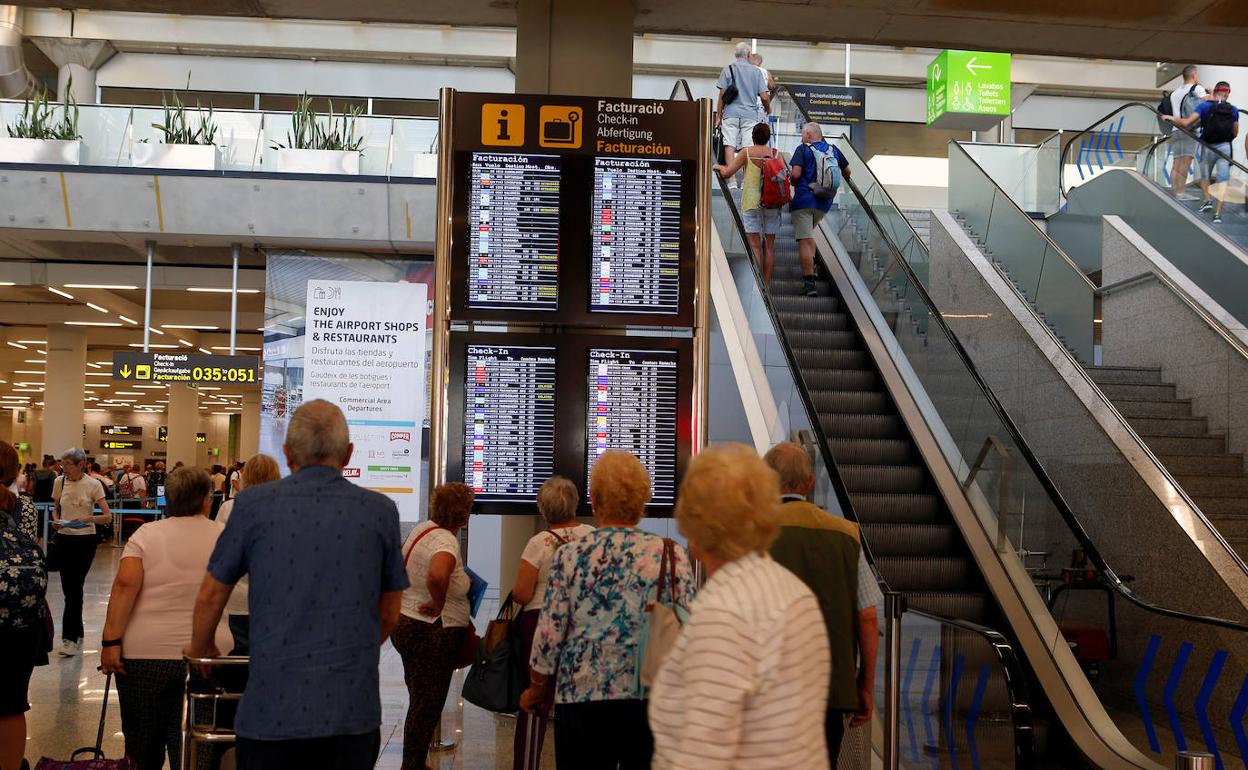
column 1194, row 760
column 203, row 720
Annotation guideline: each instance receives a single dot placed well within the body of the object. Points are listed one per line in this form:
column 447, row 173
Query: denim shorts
column 1182, row 145
column 1215, row 167
column 761, row 220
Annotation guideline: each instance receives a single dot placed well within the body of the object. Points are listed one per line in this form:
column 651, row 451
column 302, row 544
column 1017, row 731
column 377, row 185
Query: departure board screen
column 509, row 421
column 513, row 232
column 631, row 405
column 636, row 229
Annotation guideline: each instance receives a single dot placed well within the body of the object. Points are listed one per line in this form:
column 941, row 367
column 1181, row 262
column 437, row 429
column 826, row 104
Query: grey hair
column 74, row 455
column 317, row 433
column 186, row 489
column 814, row 129
column 742, row 50
column 1189, row 71
column 557, row 500
column 791, row 463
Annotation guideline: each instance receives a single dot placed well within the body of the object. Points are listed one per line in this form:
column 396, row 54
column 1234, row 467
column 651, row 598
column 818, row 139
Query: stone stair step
column 1213, row 486
column 1203, row 464
column 1133, row 407
column 1186, row 445
column 1216, row 507
column 1124, row 375
column 1156, row 392
column 1170, row 426
column 1231, row 526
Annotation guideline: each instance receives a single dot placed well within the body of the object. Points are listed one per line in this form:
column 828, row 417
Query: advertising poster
column 364, row 350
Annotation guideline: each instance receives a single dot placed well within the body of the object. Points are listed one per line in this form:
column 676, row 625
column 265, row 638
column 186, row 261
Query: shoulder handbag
column 731, row 92
column 97, row 760
column 498, row 675
column 663, row 622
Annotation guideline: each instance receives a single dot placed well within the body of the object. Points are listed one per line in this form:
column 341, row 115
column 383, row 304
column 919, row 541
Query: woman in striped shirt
column 746, row 684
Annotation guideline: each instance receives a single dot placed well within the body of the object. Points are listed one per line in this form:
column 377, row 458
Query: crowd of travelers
column 772, row 658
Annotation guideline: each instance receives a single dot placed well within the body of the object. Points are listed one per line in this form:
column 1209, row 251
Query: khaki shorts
column 805, row 221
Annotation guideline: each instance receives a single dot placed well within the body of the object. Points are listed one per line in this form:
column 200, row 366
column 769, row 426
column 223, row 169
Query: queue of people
column 775, row 656
column 1211, row 117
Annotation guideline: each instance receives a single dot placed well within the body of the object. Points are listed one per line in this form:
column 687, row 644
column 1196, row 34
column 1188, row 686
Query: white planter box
column 318, row 162
column 200, row 157
column 59, row 152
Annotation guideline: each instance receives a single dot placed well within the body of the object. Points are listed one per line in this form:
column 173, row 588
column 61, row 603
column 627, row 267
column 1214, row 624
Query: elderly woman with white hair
column 589, row 635
column 76, row 496
column 745, row 685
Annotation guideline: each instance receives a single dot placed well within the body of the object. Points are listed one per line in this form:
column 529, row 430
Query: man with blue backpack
column 816, row 168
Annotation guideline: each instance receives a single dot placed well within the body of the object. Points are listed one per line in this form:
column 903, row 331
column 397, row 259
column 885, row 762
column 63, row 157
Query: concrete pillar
column 183, row 424
column 64, row 392
column 249, row 426
column 77, row 62
column 574, row 47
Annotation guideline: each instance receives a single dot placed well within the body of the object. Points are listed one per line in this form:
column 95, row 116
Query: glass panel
column 415, row 148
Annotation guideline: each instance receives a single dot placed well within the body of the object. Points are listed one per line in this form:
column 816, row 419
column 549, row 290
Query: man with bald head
column 326, row 582
column 825, row 552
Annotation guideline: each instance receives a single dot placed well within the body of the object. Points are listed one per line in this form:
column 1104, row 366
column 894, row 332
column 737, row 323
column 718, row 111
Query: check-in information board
column 571, row 221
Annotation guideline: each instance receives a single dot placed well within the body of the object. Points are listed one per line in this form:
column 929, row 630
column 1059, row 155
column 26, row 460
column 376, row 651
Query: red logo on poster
column 400, row 435
column 351, row 473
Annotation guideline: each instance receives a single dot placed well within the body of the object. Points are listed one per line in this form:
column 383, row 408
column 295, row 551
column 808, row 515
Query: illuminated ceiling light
column 236, row 347
column 184, row 342
column 205, row 351
column 64, row 294
column 126, row 393
column 92, row 323
column 214, row 290
column 98, row 374
column 7, row 283
column 118, row 286
column 33, row 342
column 33, row 361
column 96, row 307
column 227, row 414
column 17, row 345
column 28, row 390
column 127, row 319
column 27, row 371
column 153, row 345
column 93, row 365
column 199, row 327
column 42, row 353
column 155, row 331
column 150, row 387
column 94, row 410
column 208, row 387
column 15, row 398
column 102, row 363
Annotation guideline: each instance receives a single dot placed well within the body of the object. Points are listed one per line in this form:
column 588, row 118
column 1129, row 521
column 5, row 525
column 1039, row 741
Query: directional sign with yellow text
column 185, row 367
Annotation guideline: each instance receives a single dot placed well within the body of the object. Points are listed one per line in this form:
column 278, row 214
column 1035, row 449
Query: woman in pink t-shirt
column 149, row 618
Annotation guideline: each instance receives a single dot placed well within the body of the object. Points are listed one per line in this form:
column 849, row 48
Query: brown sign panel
column 577, row 125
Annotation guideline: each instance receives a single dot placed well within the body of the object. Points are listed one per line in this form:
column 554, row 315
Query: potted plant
column 319, row 144
column 183, row 146
column 38, row 136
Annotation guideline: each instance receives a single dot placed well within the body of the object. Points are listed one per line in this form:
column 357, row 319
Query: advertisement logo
column 400, row 435
column 351, row 473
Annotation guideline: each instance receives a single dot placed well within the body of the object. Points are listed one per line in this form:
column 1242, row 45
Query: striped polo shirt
column 746, row 685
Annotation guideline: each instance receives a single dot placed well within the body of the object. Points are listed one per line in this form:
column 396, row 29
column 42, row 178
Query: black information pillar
column 513, row 228
column 509, row 421
column 632, row 406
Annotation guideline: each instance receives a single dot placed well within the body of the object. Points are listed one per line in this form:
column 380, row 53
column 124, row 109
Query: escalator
column 951, row 501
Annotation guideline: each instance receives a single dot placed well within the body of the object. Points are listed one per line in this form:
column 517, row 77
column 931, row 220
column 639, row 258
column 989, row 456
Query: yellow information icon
column 502, row 125
column 559, row 126
column 142, row 372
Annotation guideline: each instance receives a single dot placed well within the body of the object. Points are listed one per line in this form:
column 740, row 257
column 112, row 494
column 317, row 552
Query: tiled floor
column 66, row 695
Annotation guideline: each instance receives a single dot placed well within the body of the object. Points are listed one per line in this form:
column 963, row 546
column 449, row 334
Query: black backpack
column 1165, row 107
column 1217, row 125
column 23, row 577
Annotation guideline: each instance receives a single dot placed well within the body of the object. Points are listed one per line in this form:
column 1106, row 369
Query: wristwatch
column 110, row 642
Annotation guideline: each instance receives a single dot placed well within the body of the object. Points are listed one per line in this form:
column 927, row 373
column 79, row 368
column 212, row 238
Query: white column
column 249, row 426
column 64, row 393
column 183, row 424
column 77, row 61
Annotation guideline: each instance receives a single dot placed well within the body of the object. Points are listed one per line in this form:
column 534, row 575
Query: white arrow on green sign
column 968, row 89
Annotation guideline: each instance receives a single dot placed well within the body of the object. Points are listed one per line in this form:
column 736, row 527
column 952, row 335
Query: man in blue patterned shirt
column 326, row 580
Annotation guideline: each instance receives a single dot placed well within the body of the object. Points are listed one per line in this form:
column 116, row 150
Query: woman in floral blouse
column 591, row 626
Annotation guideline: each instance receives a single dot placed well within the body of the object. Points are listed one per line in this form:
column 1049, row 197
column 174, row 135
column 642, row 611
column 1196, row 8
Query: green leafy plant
column 312, row 131
column 177, row 129
column 39, row 120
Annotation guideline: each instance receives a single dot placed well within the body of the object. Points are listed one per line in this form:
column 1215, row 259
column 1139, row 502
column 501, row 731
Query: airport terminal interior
column 984, row 264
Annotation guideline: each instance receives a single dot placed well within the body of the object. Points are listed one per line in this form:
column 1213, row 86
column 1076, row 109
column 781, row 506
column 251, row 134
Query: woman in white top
column 260, row 469
column 149, row 619
column 746, row 684
column 557, row 501
column 76, row 496
column 434, row 616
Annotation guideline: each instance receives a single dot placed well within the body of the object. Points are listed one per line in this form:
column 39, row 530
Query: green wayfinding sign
column 968, row 89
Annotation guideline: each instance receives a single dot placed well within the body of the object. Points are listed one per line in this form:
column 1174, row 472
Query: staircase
column 917, row 547
column 921, row 221
column 1198, row 459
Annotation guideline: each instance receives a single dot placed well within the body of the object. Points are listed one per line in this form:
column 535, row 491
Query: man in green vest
column 824, row 551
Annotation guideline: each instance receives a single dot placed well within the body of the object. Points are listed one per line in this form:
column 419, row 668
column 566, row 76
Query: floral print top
column 591, row 625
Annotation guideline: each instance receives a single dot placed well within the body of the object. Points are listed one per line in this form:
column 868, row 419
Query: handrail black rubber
column 1123, row 108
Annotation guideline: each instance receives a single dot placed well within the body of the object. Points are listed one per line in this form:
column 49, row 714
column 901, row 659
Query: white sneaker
column 69, row 649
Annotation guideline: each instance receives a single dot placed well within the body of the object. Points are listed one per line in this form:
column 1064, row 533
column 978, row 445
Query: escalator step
column 871, row 451
column 912, row 539
column 968, row 606
column 804, row 339
column 884, row 478
column 842, row 379
column 802, row 305
column 820, row 321
column 832, row 359
column 928, row 573
column 862, row 426
column 850, row 401
column 794, row 286
column 892, row 508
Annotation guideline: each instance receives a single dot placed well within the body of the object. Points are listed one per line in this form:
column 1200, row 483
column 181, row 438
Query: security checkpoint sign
column 968, row 90
column 185, row 367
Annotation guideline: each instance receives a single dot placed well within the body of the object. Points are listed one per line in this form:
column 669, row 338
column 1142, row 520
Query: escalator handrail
column 1046, row 482
column 808, row 403
column 914, row 234
column 1123, row 108
column 1019, row 209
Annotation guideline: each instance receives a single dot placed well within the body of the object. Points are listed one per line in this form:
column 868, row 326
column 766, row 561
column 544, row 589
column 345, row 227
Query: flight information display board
column 509, row 420
column 636, row 232
column 632, row 405
column 513, row 232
